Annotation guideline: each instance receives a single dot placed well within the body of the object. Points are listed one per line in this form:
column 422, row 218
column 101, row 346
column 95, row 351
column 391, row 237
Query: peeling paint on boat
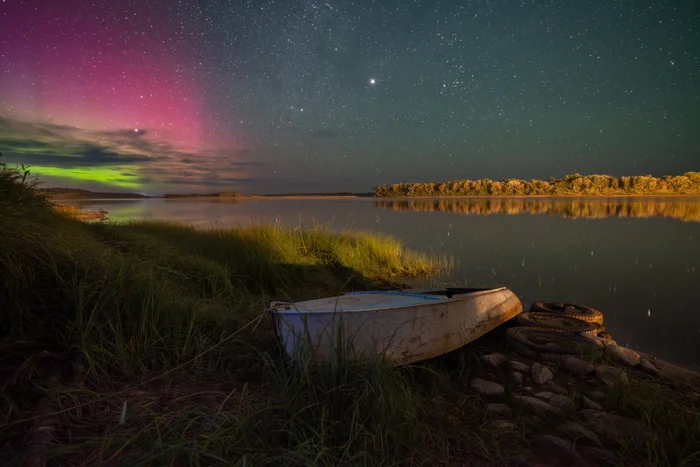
column 404, row 326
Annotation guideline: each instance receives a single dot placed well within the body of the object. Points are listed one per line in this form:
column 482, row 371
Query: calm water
column 636, row 260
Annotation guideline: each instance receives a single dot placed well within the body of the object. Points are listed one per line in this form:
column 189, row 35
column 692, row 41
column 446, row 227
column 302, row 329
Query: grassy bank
column 569, row 185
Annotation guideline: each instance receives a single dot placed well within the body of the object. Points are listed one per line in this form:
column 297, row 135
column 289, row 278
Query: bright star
column 372, row 81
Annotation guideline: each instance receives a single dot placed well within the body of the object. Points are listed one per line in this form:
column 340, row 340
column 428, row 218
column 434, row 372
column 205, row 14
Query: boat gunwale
column 454, row 298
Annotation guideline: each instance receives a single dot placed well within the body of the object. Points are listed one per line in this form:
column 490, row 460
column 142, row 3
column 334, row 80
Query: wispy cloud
column 121, row 158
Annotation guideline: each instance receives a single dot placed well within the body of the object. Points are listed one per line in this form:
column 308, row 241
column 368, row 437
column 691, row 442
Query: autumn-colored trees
column 569, row 185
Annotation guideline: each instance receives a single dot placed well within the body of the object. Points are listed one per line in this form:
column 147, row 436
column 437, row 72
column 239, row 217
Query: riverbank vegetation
column 570, row 185
column 145, row 344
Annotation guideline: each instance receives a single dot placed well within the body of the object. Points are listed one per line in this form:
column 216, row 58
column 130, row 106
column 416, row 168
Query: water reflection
column 685, row 209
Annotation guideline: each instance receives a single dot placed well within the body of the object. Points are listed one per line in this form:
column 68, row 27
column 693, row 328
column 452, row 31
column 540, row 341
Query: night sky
column 335, row 95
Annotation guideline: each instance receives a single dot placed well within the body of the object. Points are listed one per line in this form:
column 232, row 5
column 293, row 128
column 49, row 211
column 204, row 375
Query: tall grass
column 93, row 314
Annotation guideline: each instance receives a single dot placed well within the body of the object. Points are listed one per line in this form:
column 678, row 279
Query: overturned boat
column 402, row 326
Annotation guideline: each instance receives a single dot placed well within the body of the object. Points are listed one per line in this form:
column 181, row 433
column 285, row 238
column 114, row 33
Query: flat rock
column 500, row 425
column 596, row 395
column 610, row 375
column 578, row 367
column 615, row 426
column 579, row 433
column 555, row 447
column 498, row 408
column 563, row 402
column 518, row 377
column 518, row 366
column 486, row 388
column 647, row 367
column 494, row 360
column 535, row 405
column 540, row 373
column 544, row 395
column 623, row 354
column 598, row 455
column 555, row 388
column 586, row 403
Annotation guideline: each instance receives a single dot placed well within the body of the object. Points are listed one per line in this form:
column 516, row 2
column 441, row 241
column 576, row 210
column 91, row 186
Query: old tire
column 559, row 322
column 575, row 311
column 550, row 345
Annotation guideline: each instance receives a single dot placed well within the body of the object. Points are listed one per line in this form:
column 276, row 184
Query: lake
column 635, row 259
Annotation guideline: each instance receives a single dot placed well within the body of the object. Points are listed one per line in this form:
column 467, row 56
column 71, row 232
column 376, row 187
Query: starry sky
column 342, row 95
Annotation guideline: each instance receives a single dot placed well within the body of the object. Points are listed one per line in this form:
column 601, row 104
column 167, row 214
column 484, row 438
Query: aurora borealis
column 275, row 96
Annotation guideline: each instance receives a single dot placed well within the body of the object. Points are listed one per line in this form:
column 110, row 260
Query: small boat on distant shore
column 403, row 326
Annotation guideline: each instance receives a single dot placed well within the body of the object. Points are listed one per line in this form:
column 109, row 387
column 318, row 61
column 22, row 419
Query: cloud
column 119, row 158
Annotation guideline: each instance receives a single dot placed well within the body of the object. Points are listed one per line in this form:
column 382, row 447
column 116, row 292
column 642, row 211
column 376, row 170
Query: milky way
column 270, row 96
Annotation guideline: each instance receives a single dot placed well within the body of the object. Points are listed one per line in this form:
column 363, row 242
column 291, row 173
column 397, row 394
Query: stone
column 601, row 341
column 544, row 395
column 535, row 405
column 494, row 360
column 596, row 395
column 486, row 388
column 623, row 354
column 500, row 425
column 518, row 366
column 498, row 408
column 647, row 367
column 555, row 388
column 518, row 377
column 615, row 426
column 541, row 374
column 586, row 403
column 597, row 454
column 562, row 402
column 610, row 375
column 605, row 335
column 579, row 433
column 578, row 367
column 555, row 447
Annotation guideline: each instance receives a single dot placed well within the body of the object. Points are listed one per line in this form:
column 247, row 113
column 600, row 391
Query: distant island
column 570, row 185
column 76, row 193
column 225, row 194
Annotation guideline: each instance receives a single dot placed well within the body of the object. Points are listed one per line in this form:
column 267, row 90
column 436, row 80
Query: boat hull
column 403, row 335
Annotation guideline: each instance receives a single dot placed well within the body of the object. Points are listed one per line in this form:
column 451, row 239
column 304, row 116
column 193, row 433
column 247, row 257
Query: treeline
column 225, row 194
column 77, row 193
column 569, row 208
column 570, row 185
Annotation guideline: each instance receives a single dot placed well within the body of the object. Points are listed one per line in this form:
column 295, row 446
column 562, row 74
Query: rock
column 541, row 374
column 535, row 405
column 562, row 402
column 544, row 395
column 486, row 388
column 586, row 403
column 605, row 335
column 555, row 388
column 498, row 408
column 615, row 426
column 647, row 367
column 555, row 447
column 518, row 377
column 601, row 456
column 623, row 354
column 500, row 425
column 518, row 366
column 600, row 341
column 579, row 433
column 578, row 367
column 692, row 396
column 610, row 376
column 494, row 359
column 596, row 395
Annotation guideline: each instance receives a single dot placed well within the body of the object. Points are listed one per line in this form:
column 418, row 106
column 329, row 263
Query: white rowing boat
column 405, row 327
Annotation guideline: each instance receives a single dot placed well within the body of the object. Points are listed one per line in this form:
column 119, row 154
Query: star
column 372, row 81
